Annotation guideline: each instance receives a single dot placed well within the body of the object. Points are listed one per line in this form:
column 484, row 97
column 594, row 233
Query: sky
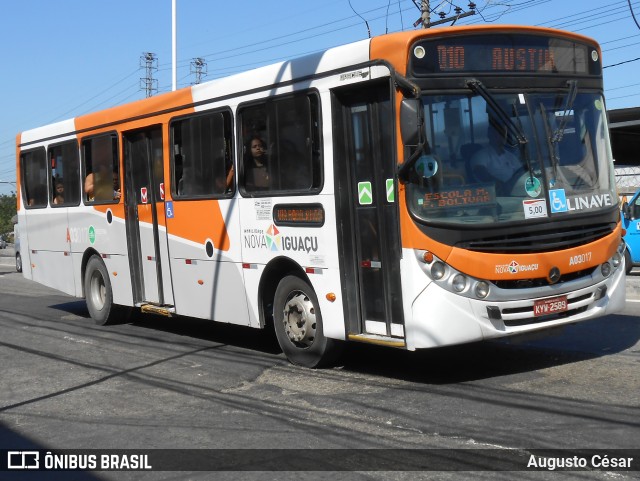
column 64, row 58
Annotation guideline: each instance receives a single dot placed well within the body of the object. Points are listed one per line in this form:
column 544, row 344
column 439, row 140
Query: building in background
column 624, row 127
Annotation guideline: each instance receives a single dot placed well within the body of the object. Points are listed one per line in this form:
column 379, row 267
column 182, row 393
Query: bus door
column 145, row 217
column 367, row 212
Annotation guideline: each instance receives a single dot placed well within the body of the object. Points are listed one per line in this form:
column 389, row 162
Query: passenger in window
column 224, row 183
column 256, row 167
column 188, row 182
column 116, row 185
column 100, row 185
column 39, row 196
column 229, row 179
column 58, row 197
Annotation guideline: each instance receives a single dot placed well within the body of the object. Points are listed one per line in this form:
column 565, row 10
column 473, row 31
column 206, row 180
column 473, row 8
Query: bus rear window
column 35, row 173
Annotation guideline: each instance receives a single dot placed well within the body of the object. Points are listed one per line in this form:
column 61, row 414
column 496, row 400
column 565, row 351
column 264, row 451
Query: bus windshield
column 519, row 156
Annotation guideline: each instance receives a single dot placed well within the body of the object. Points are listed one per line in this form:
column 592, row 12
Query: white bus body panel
column 90, row 229
column 313, row 248
column 210, row 287
column 50, row 262
column 314, row 64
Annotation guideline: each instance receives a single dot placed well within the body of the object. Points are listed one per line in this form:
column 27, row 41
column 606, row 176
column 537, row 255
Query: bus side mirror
column 626, row 212
column 410, row 121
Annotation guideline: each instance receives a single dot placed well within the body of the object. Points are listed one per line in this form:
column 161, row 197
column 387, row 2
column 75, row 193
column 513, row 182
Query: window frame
column 23, row 177
column 83, row 166
column 78, row 180
column 316, row 134
column 227, row 194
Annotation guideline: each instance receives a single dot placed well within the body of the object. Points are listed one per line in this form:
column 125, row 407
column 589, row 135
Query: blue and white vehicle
column 631, row 223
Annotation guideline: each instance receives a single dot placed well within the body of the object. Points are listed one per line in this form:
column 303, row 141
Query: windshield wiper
column 568, row 106
column 554, row 138
column 550, row 146
column 477, row 87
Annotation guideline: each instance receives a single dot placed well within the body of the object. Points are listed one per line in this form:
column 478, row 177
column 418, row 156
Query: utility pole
column 425, row 14
column 149, row 62
column 174, row 45
column 198, row 67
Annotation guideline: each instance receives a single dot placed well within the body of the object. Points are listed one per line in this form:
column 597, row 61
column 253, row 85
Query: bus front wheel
column 628, row 264
column 98, row 293
column 298, row 325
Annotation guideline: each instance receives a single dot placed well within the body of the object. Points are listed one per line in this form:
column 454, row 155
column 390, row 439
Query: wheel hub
column 98, row 290
column 300, row 319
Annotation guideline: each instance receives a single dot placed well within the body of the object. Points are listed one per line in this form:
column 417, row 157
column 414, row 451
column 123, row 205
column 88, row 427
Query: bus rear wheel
column 298, row 325
column 98, row 293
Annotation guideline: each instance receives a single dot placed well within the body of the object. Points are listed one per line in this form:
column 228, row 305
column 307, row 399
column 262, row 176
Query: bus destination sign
column 503, row 54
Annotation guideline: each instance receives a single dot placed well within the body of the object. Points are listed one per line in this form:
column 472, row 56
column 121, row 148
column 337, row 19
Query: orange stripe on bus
column 484, row 266
column 491, row 266
column 198, row 221
column 142, row 108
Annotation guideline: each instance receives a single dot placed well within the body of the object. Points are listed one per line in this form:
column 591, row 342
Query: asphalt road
column 183, row 383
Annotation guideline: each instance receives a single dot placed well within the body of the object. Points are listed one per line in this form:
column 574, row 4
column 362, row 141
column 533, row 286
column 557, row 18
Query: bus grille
column 536, row 320
column 539, row 240
column 523, row 316
column 542, row 281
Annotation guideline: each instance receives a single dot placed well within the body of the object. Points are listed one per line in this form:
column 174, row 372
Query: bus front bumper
column 442, row 318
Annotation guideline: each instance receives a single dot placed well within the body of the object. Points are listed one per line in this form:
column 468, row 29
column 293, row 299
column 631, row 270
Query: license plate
column 545, row 307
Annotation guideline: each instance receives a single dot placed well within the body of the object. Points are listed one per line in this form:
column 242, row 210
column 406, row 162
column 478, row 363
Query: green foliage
column 7, row 211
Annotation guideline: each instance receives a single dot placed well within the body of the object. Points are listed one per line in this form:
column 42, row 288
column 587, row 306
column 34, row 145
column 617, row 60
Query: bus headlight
column 605, row 269
column 451, row 279
column 438, row 270
column 616, row 260
column 482, row 289
column 459, row 282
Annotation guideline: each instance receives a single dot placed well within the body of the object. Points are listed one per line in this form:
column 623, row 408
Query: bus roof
column 391, row 47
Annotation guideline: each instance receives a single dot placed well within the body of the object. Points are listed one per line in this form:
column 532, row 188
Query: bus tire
column 98, row 293
column 298, row 325
column 628, row 264
column 18, row 262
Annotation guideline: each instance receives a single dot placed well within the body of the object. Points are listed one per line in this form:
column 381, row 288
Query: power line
column 624, row 96
column 513, row 7
column 623, row 87
column 633, row 14
column 622, row 63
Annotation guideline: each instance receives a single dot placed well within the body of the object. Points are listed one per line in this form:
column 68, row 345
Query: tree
column 7, row 211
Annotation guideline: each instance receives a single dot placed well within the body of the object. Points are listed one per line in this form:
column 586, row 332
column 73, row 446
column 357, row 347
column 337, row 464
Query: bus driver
column 495, row 161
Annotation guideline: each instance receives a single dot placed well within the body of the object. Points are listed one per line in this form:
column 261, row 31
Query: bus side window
column 65, row 174
column 101, row 164
column 282, row 145
column 35, row 174
column 635, row 213
column 202, row 164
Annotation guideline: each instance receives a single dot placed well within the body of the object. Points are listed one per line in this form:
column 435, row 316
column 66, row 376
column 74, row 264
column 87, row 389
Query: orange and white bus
column 417, row 189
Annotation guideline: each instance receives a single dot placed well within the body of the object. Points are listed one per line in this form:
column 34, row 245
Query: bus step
column 379, row 340
column 161, row 310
